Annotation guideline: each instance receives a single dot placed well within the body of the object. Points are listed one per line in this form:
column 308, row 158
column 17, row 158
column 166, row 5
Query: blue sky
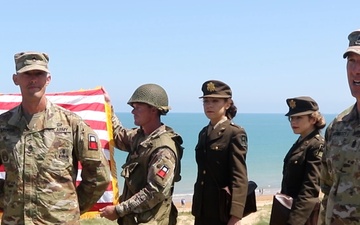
column 266, row 51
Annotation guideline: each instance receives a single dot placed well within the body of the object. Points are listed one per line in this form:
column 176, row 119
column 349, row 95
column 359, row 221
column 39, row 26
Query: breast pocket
column 295, row 165
column 218, row 154
column 59, row 157
column 134, row 176
column 218, row 146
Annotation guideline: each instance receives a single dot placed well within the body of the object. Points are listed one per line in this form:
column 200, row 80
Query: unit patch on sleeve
column 93, row 143
column 163, row 171
column 243, row 141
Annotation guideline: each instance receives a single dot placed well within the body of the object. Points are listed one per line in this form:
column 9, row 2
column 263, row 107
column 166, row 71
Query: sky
column 266, row 51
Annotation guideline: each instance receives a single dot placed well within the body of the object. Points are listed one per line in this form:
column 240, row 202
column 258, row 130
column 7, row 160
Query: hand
column 109, row 212
column 234, row 221
column 107, row 96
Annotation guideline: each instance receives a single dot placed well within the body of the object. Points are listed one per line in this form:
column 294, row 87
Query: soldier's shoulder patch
column 93, row 142
column 163, row 171
column 243, row 140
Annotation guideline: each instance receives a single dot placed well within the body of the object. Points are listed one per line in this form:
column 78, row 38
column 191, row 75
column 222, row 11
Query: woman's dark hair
column 231, row 111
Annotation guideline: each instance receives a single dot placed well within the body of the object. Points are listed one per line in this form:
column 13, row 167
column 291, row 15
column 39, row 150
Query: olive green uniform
column 151, row 168
column 41, row 159
column 220, row 155
column 301, row 174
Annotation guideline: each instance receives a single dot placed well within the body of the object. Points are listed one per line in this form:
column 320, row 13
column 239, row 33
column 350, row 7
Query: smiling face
column 353, row 74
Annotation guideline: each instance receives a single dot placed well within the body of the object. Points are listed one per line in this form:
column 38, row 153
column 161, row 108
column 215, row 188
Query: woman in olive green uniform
column 301, row 171
column 220, row 156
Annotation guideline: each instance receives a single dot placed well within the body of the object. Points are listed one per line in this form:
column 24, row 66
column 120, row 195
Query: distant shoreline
column 262, row 195
column 276, row 113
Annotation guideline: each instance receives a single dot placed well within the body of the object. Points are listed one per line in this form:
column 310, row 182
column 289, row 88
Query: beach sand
column 263, row 203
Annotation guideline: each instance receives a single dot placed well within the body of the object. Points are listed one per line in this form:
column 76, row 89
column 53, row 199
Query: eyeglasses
column 295, row 118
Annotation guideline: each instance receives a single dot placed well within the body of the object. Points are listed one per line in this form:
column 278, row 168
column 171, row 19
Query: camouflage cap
column 26, row 61
column 301, row 106
column 354, row 43
column 215, row 89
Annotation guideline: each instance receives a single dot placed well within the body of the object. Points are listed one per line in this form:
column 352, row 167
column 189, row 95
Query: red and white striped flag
column 91, row 106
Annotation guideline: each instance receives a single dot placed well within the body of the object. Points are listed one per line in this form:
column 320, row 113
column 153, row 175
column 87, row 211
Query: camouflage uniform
column 340, row 171
column 41, row 159
column 151, row 168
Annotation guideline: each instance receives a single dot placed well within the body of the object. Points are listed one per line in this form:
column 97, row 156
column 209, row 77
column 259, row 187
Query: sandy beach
column 185, row 218
column 263, row 203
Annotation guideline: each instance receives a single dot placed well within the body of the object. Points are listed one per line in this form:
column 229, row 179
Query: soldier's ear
column 15, row 77
column 313, row 120
column 48, row 79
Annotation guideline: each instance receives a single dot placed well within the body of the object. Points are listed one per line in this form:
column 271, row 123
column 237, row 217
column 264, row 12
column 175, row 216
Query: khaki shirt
column 41, row 164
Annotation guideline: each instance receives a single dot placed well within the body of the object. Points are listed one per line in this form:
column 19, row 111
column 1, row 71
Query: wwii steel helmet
column 153, row 95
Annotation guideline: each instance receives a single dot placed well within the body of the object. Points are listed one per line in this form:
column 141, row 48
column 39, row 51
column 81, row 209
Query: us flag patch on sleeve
column 163, row 171
column 93, row 143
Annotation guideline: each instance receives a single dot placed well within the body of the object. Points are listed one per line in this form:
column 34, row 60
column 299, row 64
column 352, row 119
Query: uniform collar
column 18, row 119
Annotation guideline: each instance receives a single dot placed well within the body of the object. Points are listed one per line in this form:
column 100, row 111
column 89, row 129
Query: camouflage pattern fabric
column 41, row 159
column 340, row 170
column 149, row 172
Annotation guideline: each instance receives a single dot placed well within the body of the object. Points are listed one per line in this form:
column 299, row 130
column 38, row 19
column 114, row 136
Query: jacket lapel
column 300, row 145
column 218, row 132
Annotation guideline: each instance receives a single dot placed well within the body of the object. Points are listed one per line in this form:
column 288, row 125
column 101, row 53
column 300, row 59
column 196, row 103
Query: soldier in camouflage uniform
column 341, row 160
column 152, row 165
column 40, row 146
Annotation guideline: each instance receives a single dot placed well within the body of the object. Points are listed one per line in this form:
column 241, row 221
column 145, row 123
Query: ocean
column 269, row 139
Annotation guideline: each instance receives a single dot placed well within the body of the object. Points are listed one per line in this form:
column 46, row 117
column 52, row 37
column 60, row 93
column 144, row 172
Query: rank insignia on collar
column 292, row 103
column 93, row 143
column 163, row 171
column 210, row 86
